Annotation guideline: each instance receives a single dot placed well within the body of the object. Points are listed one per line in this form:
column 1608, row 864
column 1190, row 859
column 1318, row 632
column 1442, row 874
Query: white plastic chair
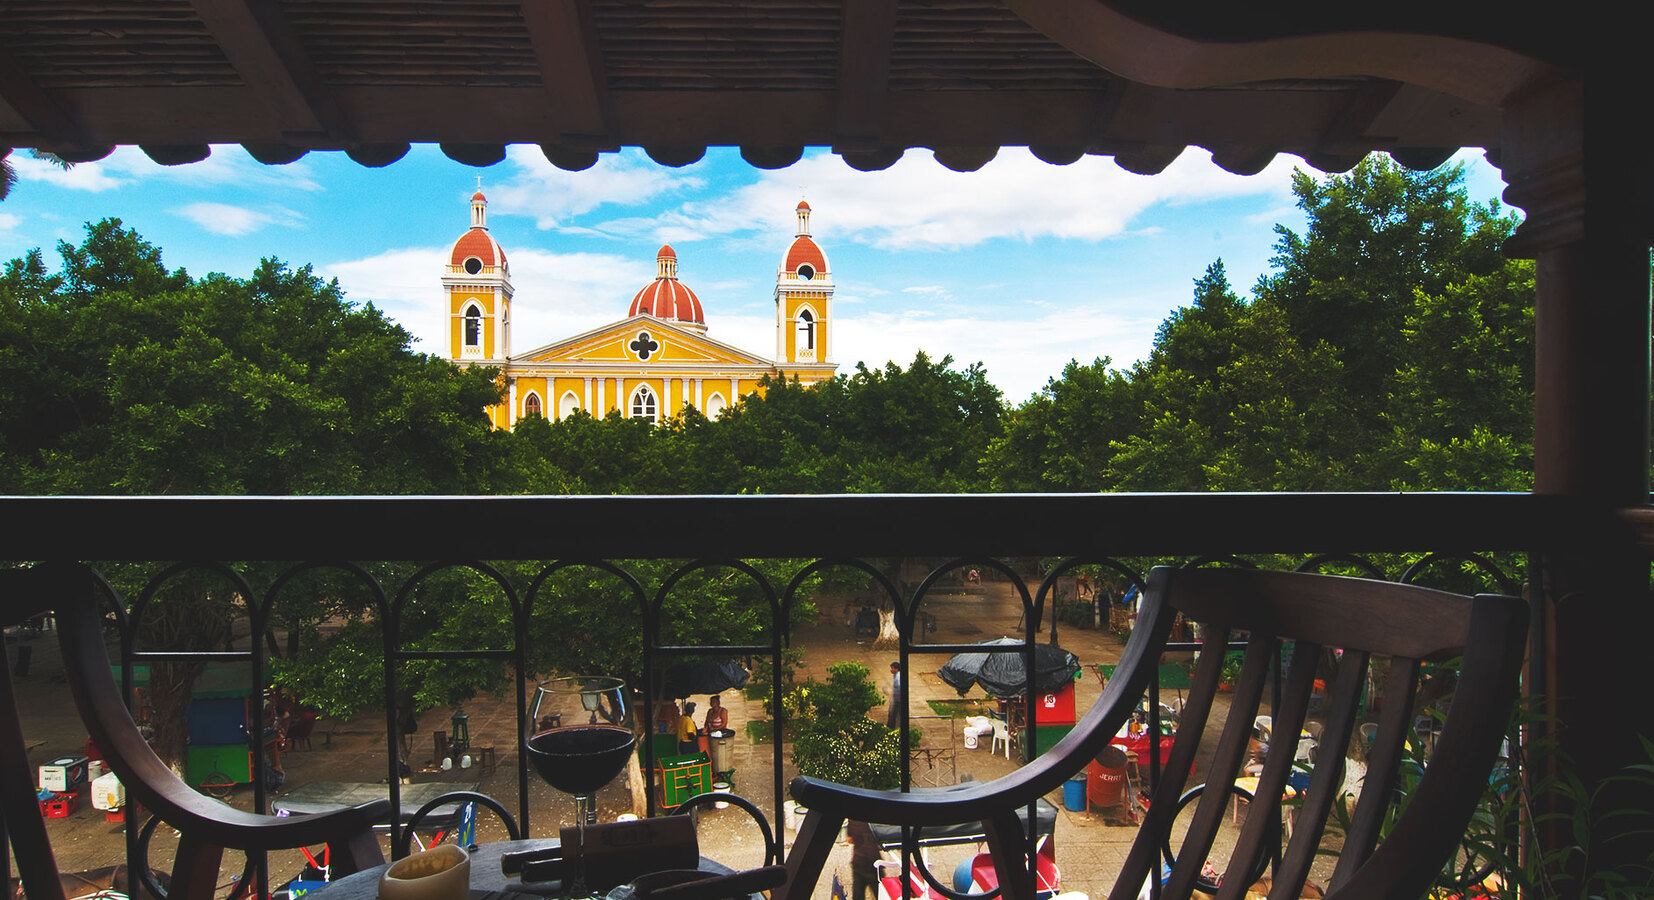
column 1001, row 733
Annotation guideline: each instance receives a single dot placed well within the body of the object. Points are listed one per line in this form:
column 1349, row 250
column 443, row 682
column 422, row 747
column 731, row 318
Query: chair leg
column 816, row 837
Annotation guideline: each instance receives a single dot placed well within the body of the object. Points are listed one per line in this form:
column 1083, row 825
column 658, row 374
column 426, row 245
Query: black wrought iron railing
column 527, row 542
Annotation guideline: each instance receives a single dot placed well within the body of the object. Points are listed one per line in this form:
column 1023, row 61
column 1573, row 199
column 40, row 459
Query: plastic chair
column 1002, row 734
column 1313, row 612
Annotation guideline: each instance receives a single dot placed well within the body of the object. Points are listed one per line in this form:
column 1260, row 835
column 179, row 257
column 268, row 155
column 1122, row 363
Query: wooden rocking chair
column 206, row 826
column 1364, row 618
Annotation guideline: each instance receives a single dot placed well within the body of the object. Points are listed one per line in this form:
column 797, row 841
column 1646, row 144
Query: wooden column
column 1575, row 161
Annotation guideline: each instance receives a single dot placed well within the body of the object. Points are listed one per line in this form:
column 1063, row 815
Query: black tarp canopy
column 702, row 676
column 1003, row 674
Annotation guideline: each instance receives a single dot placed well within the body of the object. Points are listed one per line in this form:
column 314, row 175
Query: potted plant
column 1230, row 673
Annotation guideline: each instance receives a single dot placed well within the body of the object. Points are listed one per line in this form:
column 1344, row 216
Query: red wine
column 581, row 759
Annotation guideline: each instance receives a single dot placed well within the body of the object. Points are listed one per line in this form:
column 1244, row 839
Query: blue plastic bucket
column 1073, row 794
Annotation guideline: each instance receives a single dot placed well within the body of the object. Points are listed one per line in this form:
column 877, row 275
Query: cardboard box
column 64, row 774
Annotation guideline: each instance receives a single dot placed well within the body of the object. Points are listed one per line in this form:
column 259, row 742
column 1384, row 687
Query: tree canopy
column 120, row 376
column 1391, row 348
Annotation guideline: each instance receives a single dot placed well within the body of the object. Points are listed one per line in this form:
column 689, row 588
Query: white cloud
column 554, row 198
column 94, row 177
column 235, row 221
column 9, row 221
column 558, row 295
column 918, row 203
column 1019, row 353
column 228, row 166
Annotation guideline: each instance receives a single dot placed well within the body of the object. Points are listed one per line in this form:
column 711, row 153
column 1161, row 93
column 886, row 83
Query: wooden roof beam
column 867, row 34
column 1094, row 29
column 565, row 43
column 58, row 131
column 264, row 50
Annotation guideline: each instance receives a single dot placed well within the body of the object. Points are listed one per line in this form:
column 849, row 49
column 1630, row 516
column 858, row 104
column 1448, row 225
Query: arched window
column 643, row 404
column 714, row 406
column 568, row 406
column 473, row 327
column 531, row 406
column 806, row 331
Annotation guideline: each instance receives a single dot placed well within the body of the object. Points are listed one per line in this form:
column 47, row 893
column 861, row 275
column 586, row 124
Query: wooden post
column 1572, row 163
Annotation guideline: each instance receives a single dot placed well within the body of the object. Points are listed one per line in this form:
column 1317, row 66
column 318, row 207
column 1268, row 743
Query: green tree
column 1390, row 349
column 1061, row 439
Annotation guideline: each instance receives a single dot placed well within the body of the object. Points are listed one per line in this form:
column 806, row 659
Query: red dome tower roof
column 803, row 250
column 666, row 297
column 477, row 243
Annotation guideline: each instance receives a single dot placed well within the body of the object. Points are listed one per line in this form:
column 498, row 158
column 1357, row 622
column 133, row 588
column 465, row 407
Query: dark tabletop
column 487, row 881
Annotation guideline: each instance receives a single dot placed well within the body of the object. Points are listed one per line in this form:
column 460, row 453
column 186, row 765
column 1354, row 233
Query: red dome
column 479, row 243
column 478, row 196
column 666, row 297
column 804, row 251
column 803, row 205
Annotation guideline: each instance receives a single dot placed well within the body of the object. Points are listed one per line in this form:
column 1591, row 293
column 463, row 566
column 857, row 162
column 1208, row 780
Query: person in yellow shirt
column 688, row 740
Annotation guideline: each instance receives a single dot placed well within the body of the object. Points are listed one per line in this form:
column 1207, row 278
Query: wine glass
column 579, row 740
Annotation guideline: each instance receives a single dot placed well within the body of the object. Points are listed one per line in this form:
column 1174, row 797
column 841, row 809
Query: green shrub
column 833, row 738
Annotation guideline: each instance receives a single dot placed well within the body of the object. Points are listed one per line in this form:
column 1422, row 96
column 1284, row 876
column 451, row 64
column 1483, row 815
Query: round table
column 487, row 881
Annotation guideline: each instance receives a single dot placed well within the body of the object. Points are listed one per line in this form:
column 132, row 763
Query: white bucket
column 970, row 739
column 792, row 814
column 720, row 787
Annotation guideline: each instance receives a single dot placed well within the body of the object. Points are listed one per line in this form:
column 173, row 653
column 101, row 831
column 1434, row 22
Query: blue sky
column 1021, row 266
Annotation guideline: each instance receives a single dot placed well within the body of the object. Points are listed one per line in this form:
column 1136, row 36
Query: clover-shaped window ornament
column 644, row 346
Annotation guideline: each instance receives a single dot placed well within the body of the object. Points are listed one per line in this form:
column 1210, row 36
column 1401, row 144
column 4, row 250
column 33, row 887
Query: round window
column 806, row 272
column 473, row 265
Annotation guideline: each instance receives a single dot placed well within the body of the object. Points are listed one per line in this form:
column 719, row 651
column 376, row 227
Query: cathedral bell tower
column 803, row 299
column 478, row 284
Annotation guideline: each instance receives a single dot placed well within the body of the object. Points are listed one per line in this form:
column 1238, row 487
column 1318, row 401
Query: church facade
column 650, row 364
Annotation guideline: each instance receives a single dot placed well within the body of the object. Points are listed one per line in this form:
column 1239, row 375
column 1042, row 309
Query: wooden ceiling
column 869, row 78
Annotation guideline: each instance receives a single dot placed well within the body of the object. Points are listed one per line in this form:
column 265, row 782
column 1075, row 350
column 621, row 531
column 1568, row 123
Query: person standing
column 893, row 717
column 864, row 856
column 717, row 716
column 688, row 739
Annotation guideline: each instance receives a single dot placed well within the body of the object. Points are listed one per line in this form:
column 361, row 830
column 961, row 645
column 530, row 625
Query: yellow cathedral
column 650, row 364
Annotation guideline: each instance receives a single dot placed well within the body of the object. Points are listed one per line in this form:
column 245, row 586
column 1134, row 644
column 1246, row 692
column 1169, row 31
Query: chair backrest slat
column 1263, row 819
column 1226, row 761
column 1144, row 856
column 1383, row 760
